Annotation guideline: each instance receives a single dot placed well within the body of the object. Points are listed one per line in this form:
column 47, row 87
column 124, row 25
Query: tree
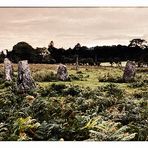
column 141, row 47
column 42, row 55
column 141, row 43
column 77, row 46
column 51, row 45
column 22, row 51
column 2, row 57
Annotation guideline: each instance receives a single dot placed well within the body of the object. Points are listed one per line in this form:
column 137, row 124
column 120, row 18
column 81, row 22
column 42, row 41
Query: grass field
column 94, row 104
column 89, row 75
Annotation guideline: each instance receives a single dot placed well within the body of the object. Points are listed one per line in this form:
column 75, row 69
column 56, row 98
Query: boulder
column 8, row 69
column 129, row 71
column 24, row 80
column 62, row 73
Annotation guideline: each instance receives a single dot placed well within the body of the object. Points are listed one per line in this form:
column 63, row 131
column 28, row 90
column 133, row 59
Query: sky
column 69, row 26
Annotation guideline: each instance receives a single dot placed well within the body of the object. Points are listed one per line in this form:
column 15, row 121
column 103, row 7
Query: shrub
column 44, row 76
column 3, row 131
column 1, row 80
column 1, row 74
column 107, row 130
column 79, row 76
column 137, row 84
column 69, row 112
column 52, row 90
column 8, row 83
column 113, row 90
column 39, row 110
column 23, row 127
column 139, row 81
column 52, row 132
column 79, row 72
column 142, row 70
column 111, row 78
column 72, row 90
column 58, row 87
column 76, row 77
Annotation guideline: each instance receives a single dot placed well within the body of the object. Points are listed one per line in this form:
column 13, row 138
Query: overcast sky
column 68, row 26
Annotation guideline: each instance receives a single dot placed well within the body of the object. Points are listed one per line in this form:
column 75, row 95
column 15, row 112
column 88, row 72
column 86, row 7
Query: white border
column 76, row 144
column 73, row 3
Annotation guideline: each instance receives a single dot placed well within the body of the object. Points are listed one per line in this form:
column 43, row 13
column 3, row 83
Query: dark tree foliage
column 138, row 43
column 24, row 51
column 137, row 51
column 100, row 54
column 2, row 57
column 21, row 51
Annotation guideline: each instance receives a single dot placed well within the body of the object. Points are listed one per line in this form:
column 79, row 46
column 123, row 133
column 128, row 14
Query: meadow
column 94, row 104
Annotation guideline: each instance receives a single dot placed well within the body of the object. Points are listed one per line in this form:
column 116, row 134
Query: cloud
column 68, row 26
column 30, row 20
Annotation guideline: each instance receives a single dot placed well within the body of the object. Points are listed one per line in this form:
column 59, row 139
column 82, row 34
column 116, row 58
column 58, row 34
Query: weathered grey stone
column 129, row 71
column 24, row 81
column 77, row 64
column 8, row 69
column 62, row 73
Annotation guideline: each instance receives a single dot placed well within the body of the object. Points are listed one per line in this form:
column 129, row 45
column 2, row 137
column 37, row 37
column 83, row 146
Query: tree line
column 137, row 51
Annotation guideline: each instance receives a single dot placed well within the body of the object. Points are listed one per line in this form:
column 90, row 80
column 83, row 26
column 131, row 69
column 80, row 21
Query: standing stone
column 62, row 73
column 24, row 81
column 77, row 63
column 8, row 69
column 129, row 71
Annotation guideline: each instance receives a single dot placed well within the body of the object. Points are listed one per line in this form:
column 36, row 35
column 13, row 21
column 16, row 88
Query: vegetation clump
column 71, row 112
column 44, row 76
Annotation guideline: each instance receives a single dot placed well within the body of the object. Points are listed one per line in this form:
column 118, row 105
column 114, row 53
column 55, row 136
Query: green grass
column 91, row 76
column 91, row 80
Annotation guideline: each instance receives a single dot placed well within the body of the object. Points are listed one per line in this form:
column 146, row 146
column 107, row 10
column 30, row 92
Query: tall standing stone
column 62, row 73
column 24, row 81
column 77, row 63
column 129, row 71
column 8, row 69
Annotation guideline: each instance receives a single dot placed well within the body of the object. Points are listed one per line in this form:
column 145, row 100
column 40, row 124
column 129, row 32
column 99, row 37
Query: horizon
column 100, row 45
column 69, row 26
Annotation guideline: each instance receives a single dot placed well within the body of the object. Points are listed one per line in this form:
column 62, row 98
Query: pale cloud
column 68, row 26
